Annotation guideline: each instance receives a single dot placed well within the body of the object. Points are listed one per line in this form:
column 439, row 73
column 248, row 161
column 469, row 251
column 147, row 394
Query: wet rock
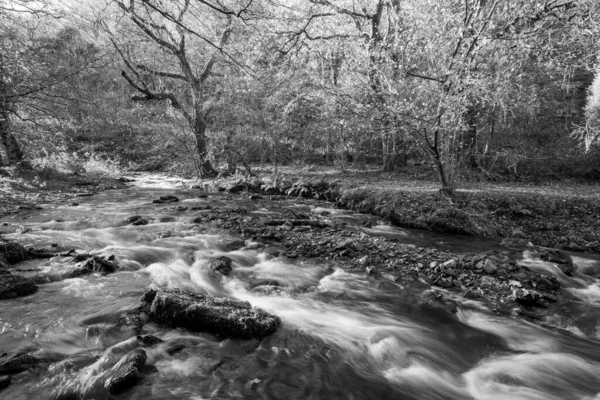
column 127, row 372
column 288, row 226
column 222, row 316
column 95, row 264
column 527, row 298
column 560, row 258
column 450, row 263
column 14, row 253
column 166, row 199
column 4, row 382
column 445, row 282
column 149, row 296
column 19, row 363
column 473, row 294
column 221, row 264
column 149, row 340
column 546, row 283
column 12, row 286
column 490, row 267
column 137, row 220
column 125, row 180
column 255, row 197
column 487, row 282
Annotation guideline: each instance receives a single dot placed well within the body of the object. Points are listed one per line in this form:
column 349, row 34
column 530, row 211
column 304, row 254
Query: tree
column 175, row 54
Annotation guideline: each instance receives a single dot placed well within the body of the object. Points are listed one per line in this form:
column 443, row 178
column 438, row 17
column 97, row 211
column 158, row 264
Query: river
column 343, row 335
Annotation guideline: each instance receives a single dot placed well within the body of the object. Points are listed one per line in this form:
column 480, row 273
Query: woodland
column 300, row 199
column 484, row 90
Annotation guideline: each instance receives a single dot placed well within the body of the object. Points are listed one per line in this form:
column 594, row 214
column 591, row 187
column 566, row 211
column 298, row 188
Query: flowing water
column 343, row 336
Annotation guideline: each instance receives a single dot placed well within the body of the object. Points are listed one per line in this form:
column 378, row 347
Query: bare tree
column 189, row 55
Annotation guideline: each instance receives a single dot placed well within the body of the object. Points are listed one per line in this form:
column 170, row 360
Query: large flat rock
column 204, row 313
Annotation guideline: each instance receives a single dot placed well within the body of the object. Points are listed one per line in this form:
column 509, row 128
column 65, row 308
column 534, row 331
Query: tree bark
column 10, row 152
column 206, row 168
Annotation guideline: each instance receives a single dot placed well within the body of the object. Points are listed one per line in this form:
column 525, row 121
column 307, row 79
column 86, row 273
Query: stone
column 166, row 199
column 389, row 277
column 148, row 297
column 527, row 298
column 203, row 313
column 19, row 364
column 472, row 294
column 127, row 372
column 490, row 267
column 12, row 286
column 445, row 282
column 560, row 258
column 255, row 197
column 137, row 220
column 549, row 283
column 95, row 264
column 487, row 282
column 221, row 264
column 288, row 226
column 450, row 263
column 149, row 340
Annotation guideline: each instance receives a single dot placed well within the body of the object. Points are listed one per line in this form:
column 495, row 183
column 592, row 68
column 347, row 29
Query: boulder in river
column 12, row 286
column 137, row 220
column 221, row 264
column 204, row 313
column 95, row 264
column 127, row 372
column 560, row 258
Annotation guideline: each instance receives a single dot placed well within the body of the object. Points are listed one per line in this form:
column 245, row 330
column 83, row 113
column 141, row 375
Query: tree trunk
column 10, row 152
column 206, row 168
column 446, row 174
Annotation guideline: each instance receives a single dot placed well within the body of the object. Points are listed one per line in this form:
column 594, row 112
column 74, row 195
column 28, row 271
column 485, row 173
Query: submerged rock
column 12, row 286
column 204, row 313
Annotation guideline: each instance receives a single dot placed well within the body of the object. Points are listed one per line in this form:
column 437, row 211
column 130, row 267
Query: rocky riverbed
column 132, row 291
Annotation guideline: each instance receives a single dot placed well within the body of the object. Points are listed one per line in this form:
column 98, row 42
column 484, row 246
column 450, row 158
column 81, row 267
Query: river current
column 343, row 335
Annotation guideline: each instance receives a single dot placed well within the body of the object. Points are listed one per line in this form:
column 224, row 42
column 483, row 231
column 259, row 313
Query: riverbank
column 28, row 189
column 558, row 215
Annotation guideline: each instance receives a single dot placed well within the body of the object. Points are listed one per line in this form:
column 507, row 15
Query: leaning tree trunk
column 10, row 152
column 206, row 168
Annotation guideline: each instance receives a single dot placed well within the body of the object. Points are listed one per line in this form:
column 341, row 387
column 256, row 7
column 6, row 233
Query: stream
column 343, row 335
